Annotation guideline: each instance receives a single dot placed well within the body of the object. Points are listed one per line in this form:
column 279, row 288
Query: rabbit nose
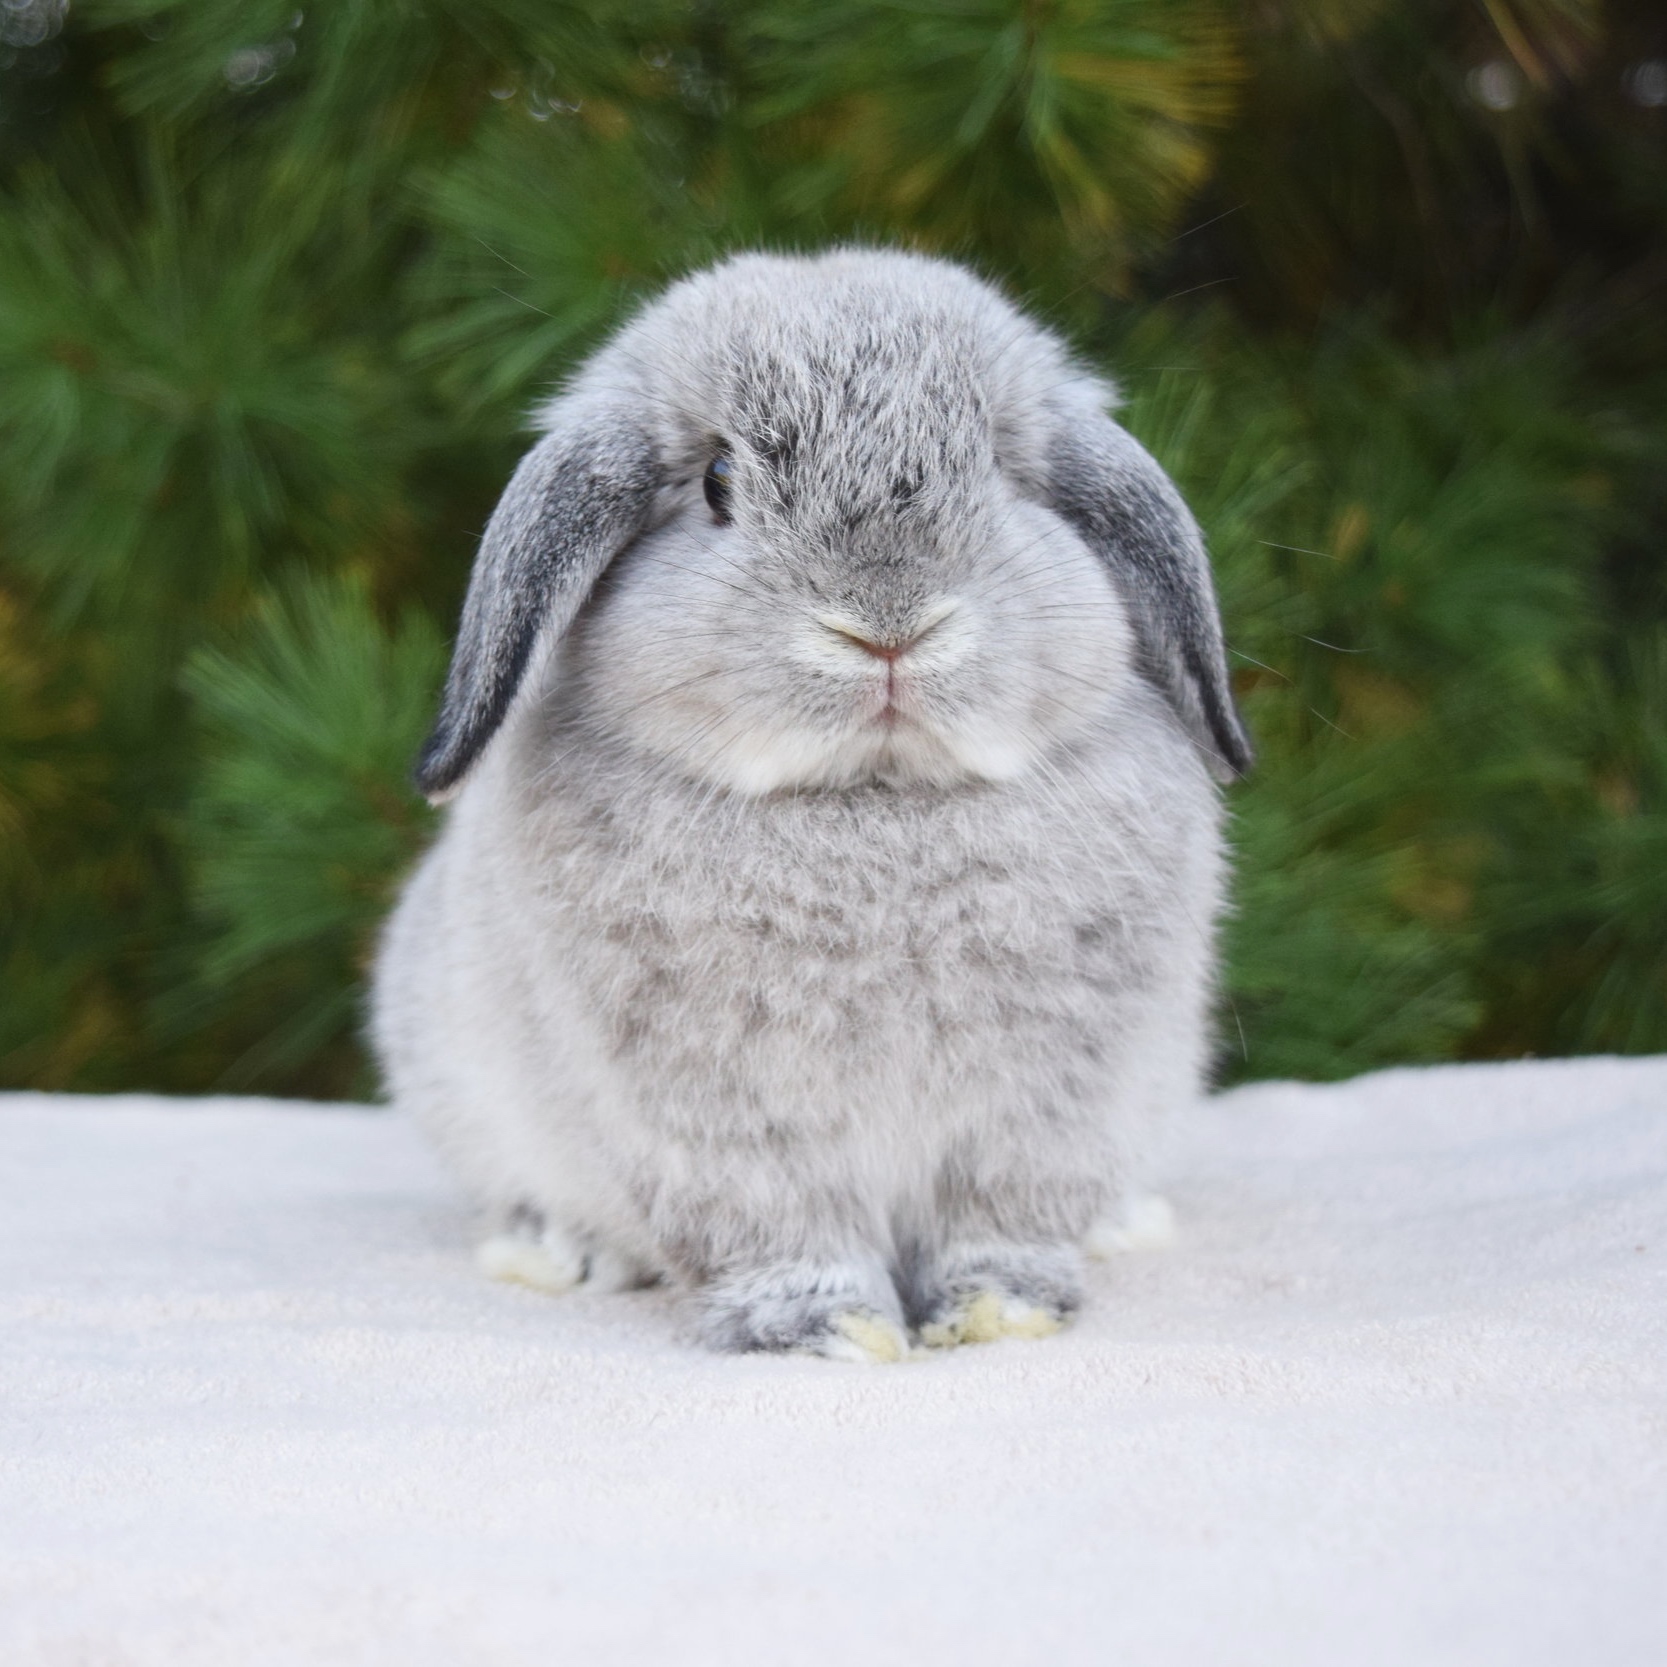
column 889, row 648
column 883, row 650
column 885, row 644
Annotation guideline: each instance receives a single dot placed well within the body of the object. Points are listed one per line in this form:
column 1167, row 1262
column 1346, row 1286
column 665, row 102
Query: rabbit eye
column 718, row 475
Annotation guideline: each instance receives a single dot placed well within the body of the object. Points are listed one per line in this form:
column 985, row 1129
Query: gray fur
column 842, row 985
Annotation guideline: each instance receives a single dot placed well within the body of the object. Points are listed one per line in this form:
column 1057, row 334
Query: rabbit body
column 829, row 919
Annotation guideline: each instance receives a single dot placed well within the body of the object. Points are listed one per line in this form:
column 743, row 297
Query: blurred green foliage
column 1381, row 281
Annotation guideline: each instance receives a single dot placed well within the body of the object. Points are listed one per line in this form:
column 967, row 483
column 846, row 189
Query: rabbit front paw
column 840, row 1313
column 984, row 1316
column 990, row 1293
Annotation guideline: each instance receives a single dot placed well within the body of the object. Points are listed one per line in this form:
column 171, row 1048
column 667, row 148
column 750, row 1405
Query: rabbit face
column 761, row 656
column 812, row 522
column 848, row 580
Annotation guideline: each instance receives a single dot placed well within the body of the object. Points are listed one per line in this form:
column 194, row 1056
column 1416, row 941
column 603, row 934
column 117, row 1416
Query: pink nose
column 887, row 651
column 883, row 651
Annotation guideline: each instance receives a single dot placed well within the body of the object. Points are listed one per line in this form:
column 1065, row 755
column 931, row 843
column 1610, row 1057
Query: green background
column 1382, row 281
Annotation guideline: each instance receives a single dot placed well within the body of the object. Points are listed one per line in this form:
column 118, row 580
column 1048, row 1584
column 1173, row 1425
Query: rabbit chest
column 915, row 958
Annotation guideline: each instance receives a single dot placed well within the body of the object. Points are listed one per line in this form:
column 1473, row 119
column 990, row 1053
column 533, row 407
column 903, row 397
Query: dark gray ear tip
column 439, row 769
column 1232, row 752
column 1241, row 757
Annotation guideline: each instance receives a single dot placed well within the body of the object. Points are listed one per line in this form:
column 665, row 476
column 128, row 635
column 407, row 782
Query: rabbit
column 822, row 918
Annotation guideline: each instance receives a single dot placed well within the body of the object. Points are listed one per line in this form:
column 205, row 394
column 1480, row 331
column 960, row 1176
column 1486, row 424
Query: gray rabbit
column 824, row 912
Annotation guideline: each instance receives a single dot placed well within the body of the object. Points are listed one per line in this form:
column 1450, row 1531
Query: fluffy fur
column 825, row 911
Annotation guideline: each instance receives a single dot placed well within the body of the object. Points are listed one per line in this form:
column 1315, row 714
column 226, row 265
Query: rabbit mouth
column 890, row 712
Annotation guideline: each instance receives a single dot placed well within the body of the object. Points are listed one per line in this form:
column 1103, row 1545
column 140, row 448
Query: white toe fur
column 548, row 1263
column 864, row 1339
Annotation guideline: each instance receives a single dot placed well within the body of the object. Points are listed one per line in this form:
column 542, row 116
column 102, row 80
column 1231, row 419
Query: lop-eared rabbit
column 823, row 914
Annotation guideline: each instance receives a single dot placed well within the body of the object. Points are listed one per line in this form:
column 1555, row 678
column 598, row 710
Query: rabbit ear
column 576, row 500
column 1127, row 510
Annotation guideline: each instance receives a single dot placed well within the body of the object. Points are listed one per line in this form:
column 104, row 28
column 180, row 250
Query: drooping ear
column 1128, row 512
column 575, row 501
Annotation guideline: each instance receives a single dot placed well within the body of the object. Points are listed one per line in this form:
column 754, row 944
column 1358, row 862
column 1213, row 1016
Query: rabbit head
column 808, row 522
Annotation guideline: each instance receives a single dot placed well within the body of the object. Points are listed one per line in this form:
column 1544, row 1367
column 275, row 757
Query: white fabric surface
column 1397, row 1394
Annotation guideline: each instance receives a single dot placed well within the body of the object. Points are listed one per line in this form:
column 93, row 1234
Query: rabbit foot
column 981, row 1292
column 984, row 1316
column 551, row 1262
column 840, row 1312
column 534, row 1251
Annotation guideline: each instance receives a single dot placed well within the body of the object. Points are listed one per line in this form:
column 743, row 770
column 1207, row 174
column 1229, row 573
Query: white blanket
column 1397, row 1394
